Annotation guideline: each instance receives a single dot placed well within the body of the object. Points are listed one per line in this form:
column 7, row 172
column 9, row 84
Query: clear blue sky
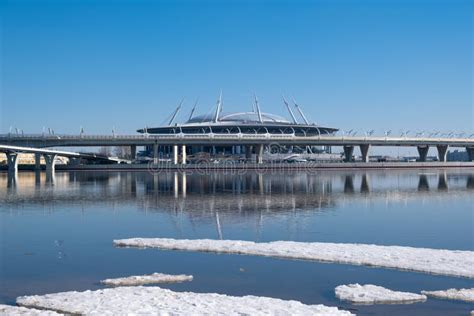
column 351, row 64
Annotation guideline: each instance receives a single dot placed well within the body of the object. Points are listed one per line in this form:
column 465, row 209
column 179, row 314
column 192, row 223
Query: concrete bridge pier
column 259, row 154
column 364, row 152
column 12, row 160
column 12, row 180
column 248, row 153
column 442, row 152
column 470, row 153
column 50, row 178
column 37, row 161
column 183, row 154
column 423, row 152
column 155, row 153
column 175, row 154
column 348, row 152
column 50, row 162
column 133, row 152
column 37, row 178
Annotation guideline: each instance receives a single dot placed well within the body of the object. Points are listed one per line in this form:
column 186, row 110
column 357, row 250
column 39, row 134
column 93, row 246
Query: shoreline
column 309, row 167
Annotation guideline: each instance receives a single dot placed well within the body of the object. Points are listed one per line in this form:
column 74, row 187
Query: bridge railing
column 327, row 138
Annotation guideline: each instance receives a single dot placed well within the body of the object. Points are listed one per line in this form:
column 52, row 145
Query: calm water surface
column 56, row 232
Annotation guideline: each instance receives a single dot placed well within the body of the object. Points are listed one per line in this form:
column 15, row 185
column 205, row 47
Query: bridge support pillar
column 12, row 179
column 175, row 154
column 248, row 153
column 470, row 153
column 155, row 154
column 183, row 154
column 442, row 152
column 423, row 152
column 12, row 160
column 364, row 152
column 37, row 161
column 259, row 154
column 133, row 152
column 348, row 152
column 49, row 159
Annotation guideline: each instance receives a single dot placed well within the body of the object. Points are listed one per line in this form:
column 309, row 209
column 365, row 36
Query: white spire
column 176, row 111
column 218, row 108
column 194, row 108
column 289, row 110
column 300, row 112
column 258, row 109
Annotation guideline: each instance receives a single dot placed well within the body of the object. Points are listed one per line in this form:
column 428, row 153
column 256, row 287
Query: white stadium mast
column 258, row 109
column 289, row 110
column 300, row 112
column 176, row 112
column 194, row 108
column 218, row 108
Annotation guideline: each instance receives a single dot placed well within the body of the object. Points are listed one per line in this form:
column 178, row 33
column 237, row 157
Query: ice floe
column 436, row 261
column 373, row 294
column 154, row 278
column 8, row 310
column 142, row 300
column 453, row 294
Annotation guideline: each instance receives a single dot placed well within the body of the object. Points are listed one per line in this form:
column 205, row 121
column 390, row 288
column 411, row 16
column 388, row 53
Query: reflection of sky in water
column 56, row 233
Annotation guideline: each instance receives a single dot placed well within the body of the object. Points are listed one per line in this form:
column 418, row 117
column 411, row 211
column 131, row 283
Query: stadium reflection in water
column 230, row 192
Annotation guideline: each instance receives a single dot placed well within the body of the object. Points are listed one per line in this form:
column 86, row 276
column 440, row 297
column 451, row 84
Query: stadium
column 245, row 123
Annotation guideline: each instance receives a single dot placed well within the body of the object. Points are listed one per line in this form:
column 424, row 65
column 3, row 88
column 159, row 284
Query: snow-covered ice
column 141, row 300
column 8, row 310
column 453, row 294
column 154, row 278
column 456, row 263
column 373, row 294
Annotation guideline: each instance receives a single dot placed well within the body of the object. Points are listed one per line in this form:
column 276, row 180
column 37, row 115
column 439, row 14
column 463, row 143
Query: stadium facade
column 251, row 122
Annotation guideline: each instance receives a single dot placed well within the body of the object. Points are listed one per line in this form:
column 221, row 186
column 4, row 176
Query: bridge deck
column 225, row 139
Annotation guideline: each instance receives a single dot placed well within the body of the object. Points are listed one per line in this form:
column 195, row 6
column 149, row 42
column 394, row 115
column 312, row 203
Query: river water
column 57, row 231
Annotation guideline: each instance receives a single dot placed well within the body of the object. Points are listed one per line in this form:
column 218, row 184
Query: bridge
column 252, row 142
column 48, row 154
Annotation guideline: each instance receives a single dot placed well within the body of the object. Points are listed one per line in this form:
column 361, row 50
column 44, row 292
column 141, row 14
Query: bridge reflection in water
column 247, row 191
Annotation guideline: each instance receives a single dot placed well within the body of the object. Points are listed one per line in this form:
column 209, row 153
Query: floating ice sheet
column 154, row 278
column 373, row 294
column 143, row 300
column 453, row 294
column 436, row 261
column 8, row 310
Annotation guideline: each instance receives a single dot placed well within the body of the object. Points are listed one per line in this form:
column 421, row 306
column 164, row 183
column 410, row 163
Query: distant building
column 457, row 155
